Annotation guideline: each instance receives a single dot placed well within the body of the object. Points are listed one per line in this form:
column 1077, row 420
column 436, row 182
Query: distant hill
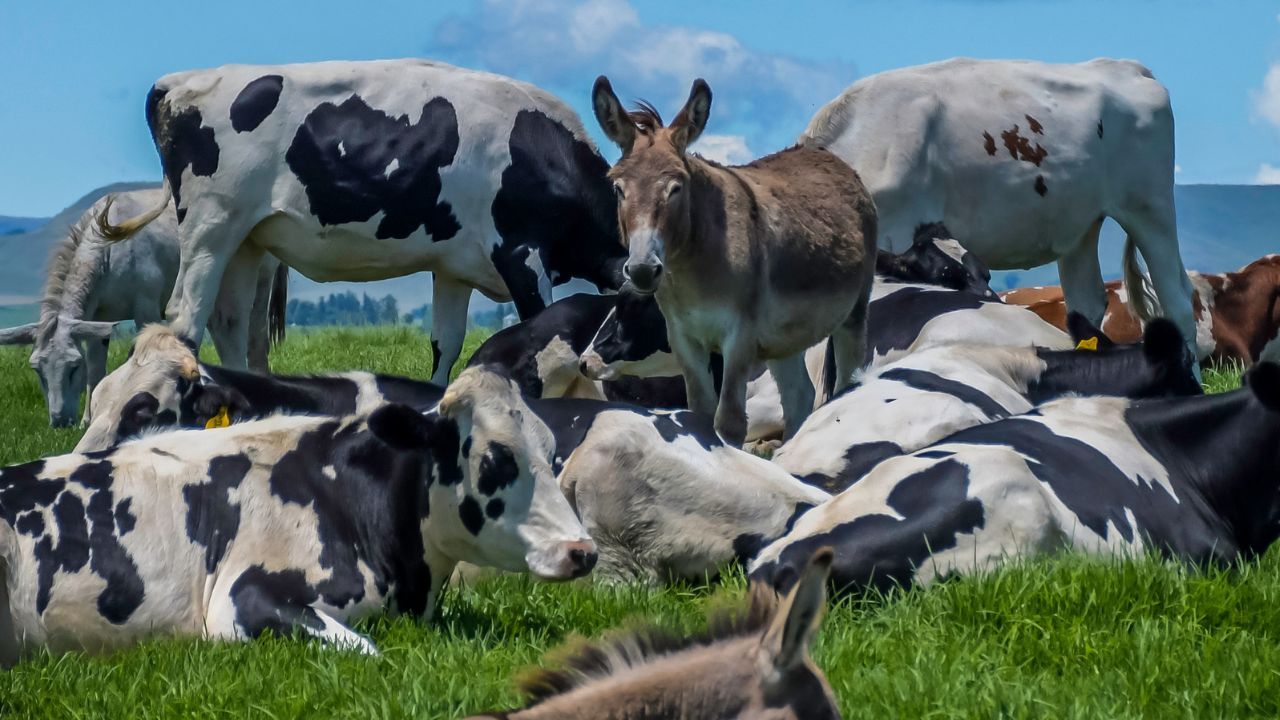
column 19, row 225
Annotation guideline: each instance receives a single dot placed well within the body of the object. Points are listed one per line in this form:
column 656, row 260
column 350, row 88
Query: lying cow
column 928, row 395
column 162, row 385
column 1236, row 313
column 289, row 524
column 1189, row 478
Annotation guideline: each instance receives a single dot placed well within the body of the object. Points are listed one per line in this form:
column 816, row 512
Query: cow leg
column 9, row 649
column 95, row 361
column 695, row 366
column 731, row 411
column 209, row 238
column 1081, row 277
column 255, row 606
column 259, row 318
column 449, row 301
column 796, row 390
column 527, row 282
column 229, row 322
column 1154, row 233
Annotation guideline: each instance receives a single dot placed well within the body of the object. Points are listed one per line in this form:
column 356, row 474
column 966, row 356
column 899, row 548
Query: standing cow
column 1023, row 161
column 761, row 261
column 371, row 170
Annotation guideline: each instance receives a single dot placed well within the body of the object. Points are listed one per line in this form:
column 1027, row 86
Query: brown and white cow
column 1237, row 313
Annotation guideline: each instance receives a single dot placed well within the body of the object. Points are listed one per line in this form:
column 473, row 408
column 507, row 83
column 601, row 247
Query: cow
column 1236, row 313
column 371, row 170
column 290, row 524
column 752, row 665
column 905, row 405
column 92, row 284
column 756, row 262
column 162, row 385
column 1190, row 478
column 1022, row 161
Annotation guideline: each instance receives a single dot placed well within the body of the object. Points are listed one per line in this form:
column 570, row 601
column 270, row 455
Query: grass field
column 1062, row 638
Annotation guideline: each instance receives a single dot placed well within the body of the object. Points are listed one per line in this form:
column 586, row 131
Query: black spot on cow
column 95, row 475
column 22, row 490
column 356, row 161
column 213, row 520
column 435, row 355
column 125, row 519
column 109, row 560
column 255, row 102
column 932, row 382
column 30, row 523
column 554, row 200
column 445, row 447
column 466, row 447
column 895, row 320
column 276, row 601
column 471, row 515
column 683, row 423
column 494, row 508
column 881, row 551
column 182, row 141
column 988, row 143
column 859, row 459
column 498, row 469
column 634, row 330
column 1099, row 129
column 934, row 454
column 1041, row 188
column 69, row 555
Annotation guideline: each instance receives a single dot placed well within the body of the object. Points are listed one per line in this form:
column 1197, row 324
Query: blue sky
column 75, row 74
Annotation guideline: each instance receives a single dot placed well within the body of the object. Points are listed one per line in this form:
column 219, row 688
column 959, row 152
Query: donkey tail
column 279, row 301
column 126, row 228
column 1142, row 301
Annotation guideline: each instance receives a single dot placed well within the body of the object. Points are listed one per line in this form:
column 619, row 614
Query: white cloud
column 562, row 46
column 727, row 149
column 1266, row 102
column 1268, row 174
column 1177, row 169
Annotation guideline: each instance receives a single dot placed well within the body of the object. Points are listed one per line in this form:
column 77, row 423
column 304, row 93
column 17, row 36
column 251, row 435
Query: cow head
column 652, row 178
column 936, row 258
column 158, row 386
column 632, row 340
column 494, row 499
column 60, row 364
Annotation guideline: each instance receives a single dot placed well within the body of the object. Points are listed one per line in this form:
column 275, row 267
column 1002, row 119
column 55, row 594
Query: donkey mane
column 585, row 662
column 645, row 117
column 57, row 294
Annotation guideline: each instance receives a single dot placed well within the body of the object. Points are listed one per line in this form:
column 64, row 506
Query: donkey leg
column 849, row 343
column 1081, row 277
column 449, row 301
column 695, row 366
column 731, row 411
column 796, row 390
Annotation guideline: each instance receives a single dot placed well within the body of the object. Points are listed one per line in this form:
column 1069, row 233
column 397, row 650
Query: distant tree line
column 344, row 309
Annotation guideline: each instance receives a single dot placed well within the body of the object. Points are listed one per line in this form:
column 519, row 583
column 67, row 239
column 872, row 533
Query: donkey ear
column 92, row 330
column 787, row 640
column 613, row 119
column 21, row 335
column 692, row 118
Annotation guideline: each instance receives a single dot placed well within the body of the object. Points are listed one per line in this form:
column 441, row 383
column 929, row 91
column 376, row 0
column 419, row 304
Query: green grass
column 1058, row 638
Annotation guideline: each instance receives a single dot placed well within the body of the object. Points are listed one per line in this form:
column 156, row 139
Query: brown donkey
column 754, row 666
column 756, row 262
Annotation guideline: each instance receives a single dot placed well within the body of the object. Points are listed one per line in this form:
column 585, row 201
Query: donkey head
column 651, row 179
column 58, row 361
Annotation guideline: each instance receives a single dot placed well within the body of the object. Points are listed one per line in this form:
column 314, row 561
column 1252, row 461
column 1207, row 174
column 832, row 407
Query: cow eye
column 617, row 190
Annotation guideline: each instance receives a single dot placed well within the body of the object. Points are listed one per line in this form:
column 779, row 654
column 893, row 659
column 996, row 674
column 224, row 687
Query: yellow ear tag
column 221, row 420
column 1086, row 344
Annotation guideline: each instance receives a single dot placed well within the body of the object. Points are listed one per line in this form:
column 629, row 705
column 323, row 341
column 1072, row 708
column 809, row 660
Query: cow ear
column 211, row 399
column 1085, row 334
column 20, row 335
column 1264, row 381
column 401, row 427
column 1162, row 343
column 786, row 642
column 613, row 119
column 92, row 330
column 692, row 118
column 137, row 414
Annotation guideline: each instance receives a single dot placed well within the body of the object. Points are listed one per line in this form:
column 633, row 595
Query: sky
column 74, row 74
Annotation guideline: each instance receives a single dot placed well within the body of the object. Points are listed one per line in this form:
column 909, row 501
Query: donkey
column 92, row 284
column 754, row 666
column 761, row 261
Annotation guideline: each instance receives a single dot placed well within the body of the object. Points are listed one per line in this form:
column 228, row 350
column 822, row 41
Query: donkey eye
column 674, row 189
column 617, row 190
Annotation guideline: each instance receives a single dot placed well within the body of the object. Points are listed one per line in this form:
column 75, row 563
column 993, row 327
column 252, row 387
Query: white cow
column 1022, row 161
column 371, row 170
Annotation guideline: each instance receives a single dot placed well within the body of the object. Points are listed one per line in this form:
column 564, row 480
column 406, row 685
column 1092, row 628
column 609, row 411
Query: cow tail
column 1142, row 302
column 126, row 228
column 279, row 301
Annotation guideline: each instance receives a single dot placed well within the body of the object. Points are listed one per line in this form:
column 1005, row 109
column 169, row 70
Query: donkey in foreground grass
column 754, row 666
column 761, row 261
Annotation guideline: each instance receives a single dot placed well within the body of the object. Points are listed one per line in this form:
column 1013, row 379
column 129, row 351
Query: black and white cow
column 289, row 523
column 915, row 401
column 162, row 386
column 371, row 170
column 1190, row 478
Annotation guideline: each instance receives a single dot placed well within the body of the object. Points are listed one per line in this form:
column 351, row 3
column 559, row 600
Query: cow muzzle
column 567, row 560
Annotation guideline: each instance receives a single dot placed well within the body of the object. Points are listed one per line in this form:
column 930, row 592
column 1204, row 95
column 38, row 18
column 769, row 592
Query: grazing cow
column 289, row 524
column 754, row 666
column 1236, row 313
column 92, row 284
column 1023, row 161
column 757, row 262
column 662, row 495
column 1189, row 478
column 371, row 170
column 930, row 394
column 163, row 386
